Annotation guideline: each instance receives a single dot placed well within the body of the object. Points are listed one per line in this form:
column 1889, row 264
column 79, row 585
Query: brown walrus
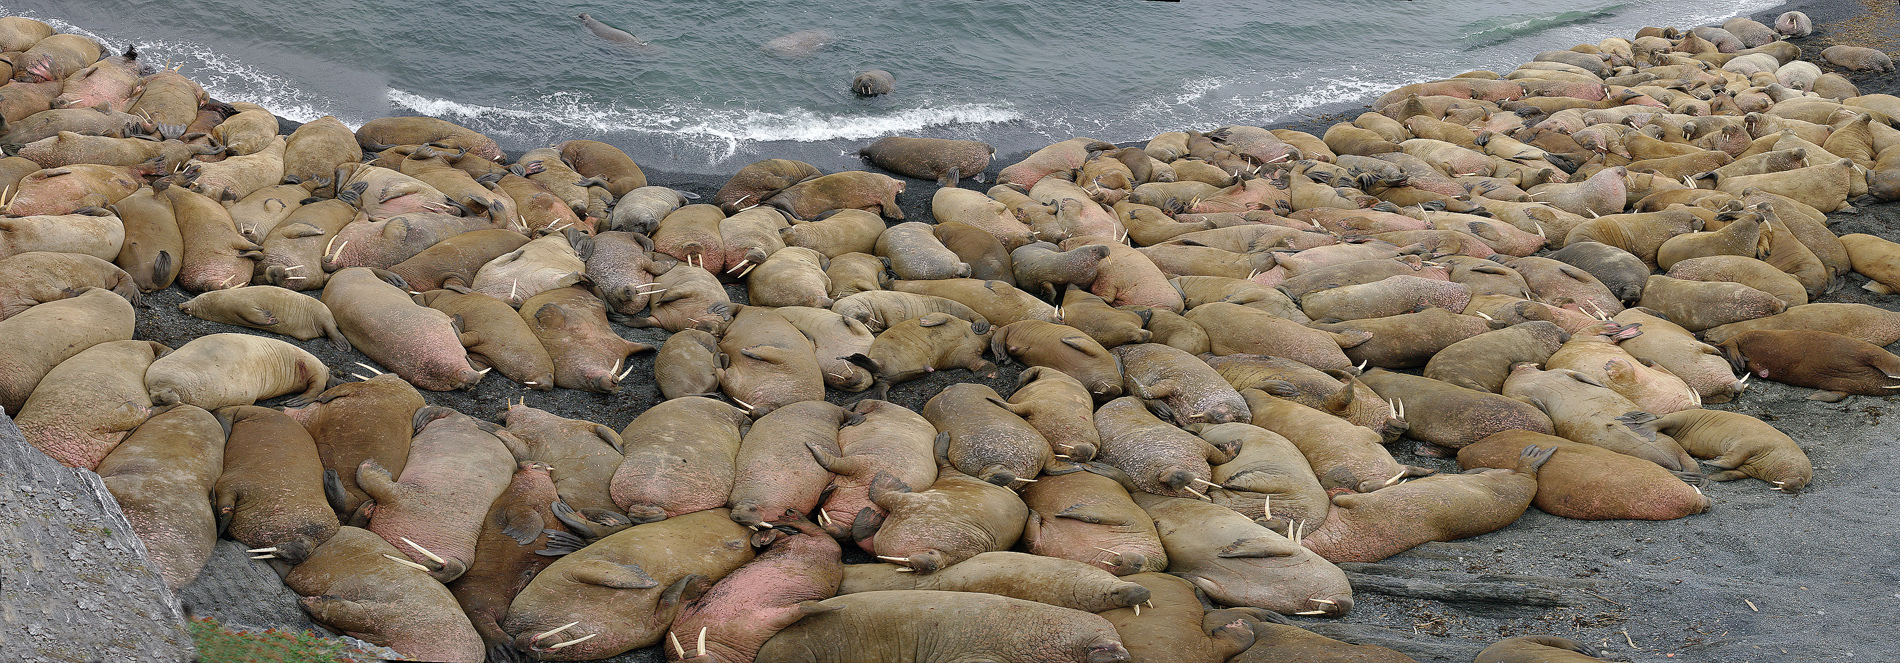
column 940, row 159
column 1588, row 482
column 1370, row 527
column 1740, row 444
column 357, row 584
column 270, row 495
column 160, row 475
column 85, row 406
column 1833, row 364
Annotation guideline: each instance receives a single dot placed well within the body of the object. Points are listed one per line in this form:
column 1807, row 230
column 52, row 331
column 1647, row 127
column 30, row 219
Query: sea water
column 705, row 96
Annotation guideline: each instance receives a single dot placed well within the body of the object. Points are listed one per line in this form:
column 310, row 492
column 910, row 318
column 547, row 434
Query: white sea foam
column 227, row 79
column 721, row 133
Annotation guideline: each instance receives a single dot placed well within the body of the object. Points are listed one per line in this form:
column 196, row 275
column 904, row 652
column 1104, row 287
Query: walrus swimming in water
column 613, row 34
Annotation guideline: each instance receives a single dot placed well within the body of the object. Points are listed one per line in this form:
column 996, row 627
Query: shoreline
column 1754, row 579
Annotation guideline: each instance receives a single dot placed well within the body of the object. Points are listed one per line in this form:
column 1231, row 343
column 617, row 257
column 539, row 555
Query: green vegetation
column 217, row 644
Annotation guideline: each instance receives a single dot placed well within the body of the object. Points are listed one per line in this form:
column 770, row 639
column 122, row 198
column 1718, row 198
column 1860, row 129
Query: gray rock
column 74, row 581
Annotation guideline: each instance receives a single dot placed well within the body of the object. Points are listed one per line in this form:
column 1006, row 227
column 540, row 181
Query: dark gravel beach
column 1762, row 576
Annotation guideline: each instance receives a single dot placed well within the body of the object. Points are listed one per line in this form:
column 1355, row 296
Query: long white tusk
column 370, row 368
column 1137, row 609
column 266, row 556
column 735, row 399
column 1209, row 484
column 702, row 641
column 262, row 550
column 512, row 286
column 1482, row 315
column 550, row 632
column 1197, row 493
column 623, row 375
column 742, row 263
column 895, row 560
column 425, row 551
column 364, row 378
column 676, row 645
column 573, row 642
column 1393, row 480
column 1311, row 612
column 408, row 563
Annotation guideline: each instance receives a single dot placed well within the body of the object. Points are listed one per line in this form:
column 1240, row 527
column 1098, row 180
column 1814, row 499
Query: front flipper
column 614, row 576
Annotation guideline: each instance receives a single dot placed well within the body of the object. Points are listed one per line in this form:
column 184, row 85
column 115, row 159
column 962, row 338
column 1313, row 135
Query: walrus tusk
column 824, row 518
column 735, row 399
column 1137, row 607
column 408, row 563
column 1362, row 364
column 748, row 270
column 651, row 292
column 742, row 263
column 1063, row 456
column 263, row 557
column 1196, row 493
column 1111, row 552
column 293, row 268
column 484, row 371
column 425, row 551
column 359, row 377
column 1325, row 601
column 1398, row 407
column 532, row 383
column 895, row 560
column 1393, row 480
column 1482, row 315
column 1311, row 612
column 370, row 368
column 1209, row 484
column 254, row 551
column 1027, row 480
column 702, row 641
column 676, row 645
column 623, row 375
column 339, row 250
column 512, row 286
column 552, row 631
column 573, row 642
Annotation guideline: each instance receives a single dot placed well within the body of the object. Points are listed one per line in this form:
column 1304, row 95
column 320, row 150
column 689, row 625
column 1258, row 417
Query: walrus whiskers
column 408, row 563
column 573, row 642
column 551, row 632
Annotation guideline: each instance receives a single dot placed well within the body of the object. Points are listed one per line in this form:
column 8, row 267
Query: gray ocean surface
column 705, row 96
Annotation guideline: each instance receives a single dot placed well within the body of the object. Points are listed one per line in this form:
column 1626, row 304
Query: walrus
column 1539, row 648
column 152, row 248
column 1059, row 407
column 583, row 456
column 1860, row 321
column 270, row 494
column 220, row 370
column 760, row 181
column 854, row 273
column 1341, row 454
column 873, row 82
column 984, row 438
column 1242, row 563
column 1050, row 580
column 315, row 149
column 355, row 421
column 940, row 159
column 380, row 320
column 215, row 256
column 688, row 365
column 381, row 133
column 693, row 299
column 160, row 476
column 679, row 458
column 1833, row 364
column 1584, row 410
column 1746, row 271
column 37, row 340
column 1794, row 24
column 1407, row 340
column 1667, row 344
column 520, row 523
column 457, row 466
column 772, row 363
column 1333, row 391
column 503, row 339
column 956, row 518
column 872, row 627
column 640, row 210
column 1157, row 457
column 1268, row 475
column 84, row 406
column 1237, row 329
column 799, row 565
column 1452, row 416
column 1373, row 526
column 1089, row 517
column 616, row 171
column 1699, row 305
column 37, row 277
column 1588, row 482
column 1875, row 258
column 914, row 348
column 799, row 44
column 846, row 231
column 890, row 440
column 987, row 256
column 775, row 471
column 587, row 353
column 612, row 34
column 1176, row 626
column 622, row 591
column 269, row 308
column 296, row 250
column 1046, row 344
column 1594, row 353
column 1739, row 444
column 793, row 276
column 356, row 584
column 1482, row 362
column 852, row 189
column 94, row 232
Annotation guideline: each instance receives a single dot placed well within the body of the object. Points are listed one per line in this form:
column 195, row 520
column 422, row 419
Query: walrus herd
column 1544, row 272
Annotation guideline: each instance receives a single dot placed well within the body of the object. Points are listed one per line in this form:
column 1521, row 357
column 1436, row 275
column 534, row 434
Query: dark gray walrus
column 873, row 82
